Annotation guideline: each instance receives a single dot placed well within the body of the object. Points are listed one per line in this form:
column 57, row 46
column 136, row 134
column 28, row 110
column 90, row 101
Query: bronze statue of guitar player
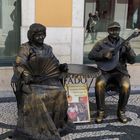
column 111, row 56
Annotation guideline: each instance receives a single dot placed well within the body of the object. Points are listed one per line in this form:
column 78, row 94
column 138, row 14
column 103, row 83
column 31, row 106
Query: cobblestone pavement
column 110, row 129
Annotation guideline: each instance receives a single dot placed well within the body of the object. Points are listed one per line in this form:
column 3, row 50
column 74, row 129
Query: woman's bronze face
column 39, row 37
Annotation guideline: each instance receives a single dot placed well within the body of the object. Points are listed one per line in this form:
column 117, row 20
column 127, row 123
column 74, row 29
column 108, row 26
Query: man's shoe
column 100, row 116
column 122, row 117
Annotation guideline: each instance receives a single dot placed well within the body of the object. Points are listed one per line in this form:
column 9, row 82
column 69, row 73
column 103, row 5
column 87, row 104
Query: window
column 133, row 18
column 103, row 15
column 133, row 21
column 105, row 9
column 126, row 12
column 9, row 30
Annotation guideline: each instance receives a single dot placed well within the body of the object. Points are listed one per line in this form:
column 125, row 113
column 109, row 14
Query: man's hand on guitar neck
column 127, row 46
column 126, row 43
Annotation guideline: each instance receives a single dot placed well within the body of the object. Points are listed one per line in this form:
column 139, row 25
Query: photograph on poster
column 78, row 103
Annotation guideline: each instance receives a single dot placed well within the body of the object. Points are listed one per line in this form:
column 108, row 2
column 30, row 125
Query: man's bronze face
column 39, row 37
column 114, row 32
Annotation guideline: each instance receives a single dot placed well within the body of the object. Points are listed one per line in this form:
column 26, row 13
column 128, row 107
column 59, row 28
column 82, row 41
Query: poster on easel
column 78, row 103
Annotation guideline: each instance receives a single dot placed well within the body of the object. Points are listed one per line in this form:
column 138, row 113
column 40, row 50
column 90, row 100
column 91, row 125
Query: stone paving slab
column 110, row 129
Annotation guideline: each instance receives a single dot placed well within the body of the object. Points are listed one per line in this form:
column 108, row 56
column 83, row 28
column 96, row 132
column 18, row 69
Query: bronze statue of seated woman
column 41, row 98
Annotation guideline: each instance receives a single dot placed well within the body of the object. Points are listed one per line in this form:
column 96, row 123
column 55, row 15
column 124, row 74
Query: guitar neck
column 135, row 34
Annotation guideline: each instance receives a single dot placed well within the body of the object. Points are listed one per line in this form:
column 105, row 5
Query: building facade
column 65, row 21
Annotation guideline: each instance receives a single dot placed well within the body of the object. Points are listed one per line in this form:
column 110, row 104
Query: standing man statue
column 41, row 98
column 112, row 56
